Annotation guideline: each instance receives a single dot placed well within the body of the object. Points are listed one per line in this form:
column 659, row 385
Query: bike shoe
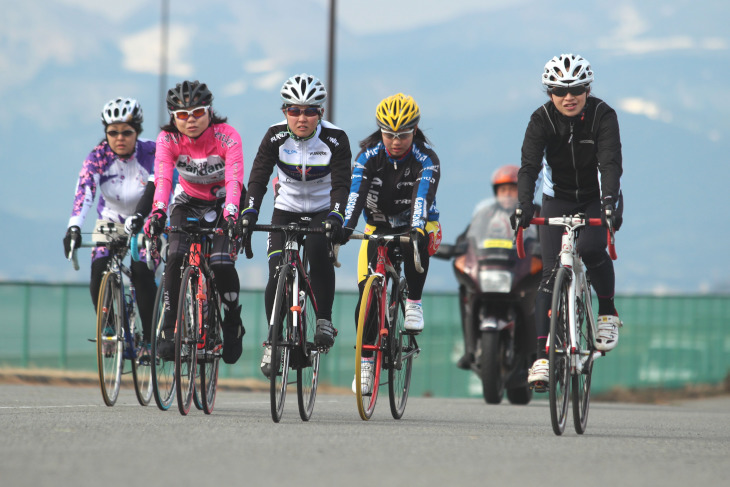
column 539, row 375
column 414, row 318
column 367, row 366
column 266, row 361
column 607, row 332
column 166, row 345
column 325, row 335
column 233, row 332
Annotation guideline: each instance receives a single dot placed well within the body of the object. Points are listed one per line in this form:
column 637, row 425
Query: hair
column 373, row 139
column 214, row 119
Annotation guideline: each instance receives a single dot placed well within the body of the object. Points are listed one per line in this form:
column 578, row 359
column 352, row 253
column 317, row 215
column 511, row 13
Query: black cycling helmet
column 188, row 94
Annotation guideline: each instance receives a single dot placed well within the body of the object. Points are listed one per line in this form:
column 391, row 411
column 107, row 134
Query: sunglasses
column 308, row 112
column 115, row 133
column 195, row 112
column 396, row 135
column 573, row 90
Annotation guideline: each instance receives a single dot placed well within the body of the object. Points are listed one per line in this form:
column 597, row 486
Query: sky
column 473, row 66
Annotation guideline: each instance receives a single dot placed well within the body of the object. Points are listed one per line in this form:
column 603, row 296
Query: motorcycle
column 497, row 301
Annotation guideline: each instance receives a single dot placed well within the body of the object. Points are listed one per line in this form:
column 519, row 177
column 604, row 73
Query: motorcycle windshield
column 490, row 231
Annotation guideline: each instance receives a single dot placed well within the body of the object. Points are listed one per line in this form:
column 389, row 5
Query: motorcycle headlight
column 495, row 281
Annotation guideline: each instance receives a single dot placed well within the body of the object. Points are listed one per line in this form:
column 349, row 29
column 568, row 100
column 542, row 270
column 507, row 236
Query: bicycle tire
column 141, row 358
column 186, row 340
column 559, row 354
column 212, row 353
column 280, row 339
column 402, row 349
column 308, row 355
column 369, row 316
column 163, row 371
column 110, row 337
column 581, row 382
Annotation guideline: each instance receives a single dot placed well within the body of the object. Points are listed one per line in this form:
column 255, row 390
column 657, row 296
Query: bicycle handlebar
column 291, row 227
column 567, row 221
column 388, row 238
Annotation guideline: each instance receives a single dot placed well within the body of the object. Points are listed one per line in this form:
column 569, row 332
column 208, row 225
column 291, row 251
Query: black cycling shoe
column 464, row 362
column 233, row 332
column 325, row 334
column 166, row 345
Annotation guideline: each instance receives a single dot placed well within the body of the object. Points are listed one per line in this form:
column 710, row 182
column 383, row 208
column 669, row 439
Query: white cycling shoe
column 607, row 332
column 414, row 318
column 539, row 375
column 266, row 361
column 367, row 367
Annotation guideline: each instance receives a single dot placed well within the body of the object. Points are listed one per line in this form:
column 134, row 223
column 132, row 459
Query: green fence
column 666, row 342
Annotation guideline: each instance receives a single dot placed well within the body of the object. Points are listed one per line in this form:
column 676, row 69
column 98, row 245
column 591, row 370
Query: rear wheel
column 186, row 340
column 110, row 337
column 403, row 349
column 280, row 343
column 308, row 356
column 368, row 344
column 211, row 353
column 559, row 355
column 581, row 386
column 163, row 371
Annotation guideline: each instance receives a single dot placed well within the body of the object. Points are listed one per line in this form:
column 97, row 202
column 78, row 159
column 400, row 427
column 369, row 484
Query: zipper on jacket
column 575, row 168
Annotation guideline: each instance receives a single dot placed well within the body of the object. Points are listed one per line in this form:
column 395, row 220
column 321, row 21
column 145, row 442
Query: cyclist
column 208, row 155
column 578, row 136
column 491, row 218
column 312, row 157
column 118, row 167
column 394, row 182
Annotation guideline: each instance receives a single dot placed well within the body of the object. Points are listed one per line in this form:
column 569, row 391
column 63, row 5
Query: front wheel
column 403, row 348
column 110, row 337
column 581, row 386
column 280, row 343
column 142, row 359
column 559, row 354
column 163, row 371
column 210, row 352
column 307, row 355
column 368, row 344
column 186, row 340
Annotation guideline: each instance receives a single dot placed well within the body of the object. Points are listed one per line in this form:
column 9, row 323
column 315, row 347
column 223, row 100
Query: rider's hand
column 522, row 216
column 133, row 224
column 247, row 220
column 419, row 239
column 231, row 227
column 610, row 213
column 155, row 223
column 73, row 233
column 335, row 227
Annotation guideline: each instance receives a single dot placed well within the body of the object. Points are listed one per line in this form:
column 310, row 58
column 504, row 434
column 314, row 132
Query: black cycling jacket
column 583, row 153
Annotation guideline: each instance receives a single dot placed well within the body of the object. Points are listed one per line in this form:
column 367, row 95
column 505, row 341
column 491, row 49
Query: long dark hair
column 373, row 139
column 214, row 118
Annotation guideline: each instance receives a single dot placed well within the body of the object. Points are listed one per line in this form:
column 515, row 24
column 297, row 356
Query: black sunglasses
column 115, row 133
column 309, row 111
column 573, row 90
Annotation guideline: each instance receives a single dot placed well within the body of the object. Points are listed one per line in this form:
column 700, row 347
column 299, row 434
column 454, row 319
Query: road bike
column 293, row 321
column 198, row 333
column 380, row 326
column 571, row 344
column 119, row 333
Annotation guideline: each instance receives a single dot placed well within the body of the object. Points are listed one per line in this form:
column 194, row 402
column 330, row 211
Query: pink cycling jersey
column 210, row 166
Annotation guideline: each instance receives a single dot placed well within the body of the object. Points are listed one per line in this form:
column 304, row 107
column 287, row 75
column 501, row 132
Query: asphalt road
column 65, row 436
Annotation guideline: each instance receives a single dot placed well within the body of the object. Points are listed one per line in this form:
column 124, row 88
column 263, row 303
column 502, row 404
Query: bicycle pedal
column 539, row 386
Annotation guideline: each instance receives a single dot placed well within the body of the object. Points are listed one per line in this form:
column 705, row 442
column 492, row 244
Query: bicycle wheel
column 581, row 382
column 211, row 354
column 142, row 357
column 368, row 323
column 110, row 337
column 186, row 340
column 280, row 343
column 163, row 371
column 307, row 355
column 559, row 355
column 402, row 350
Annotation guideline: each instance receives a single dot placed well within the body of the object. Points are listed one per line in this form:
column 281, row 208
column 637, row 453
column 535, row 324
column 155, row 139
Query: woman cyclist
column 208, row 155
column 394, row 181
column 312, row 157
column 578, row 136
column 118, row 168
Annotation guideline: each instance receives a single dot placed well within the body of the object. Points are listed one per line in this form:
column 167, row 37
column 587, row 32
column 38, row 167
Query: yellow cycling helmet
column 397, row 112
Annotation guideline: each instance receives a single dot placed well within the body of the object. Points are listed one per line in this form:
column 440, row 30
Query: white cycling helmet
column 122, row 110
column 303, row 89
column 567, row 70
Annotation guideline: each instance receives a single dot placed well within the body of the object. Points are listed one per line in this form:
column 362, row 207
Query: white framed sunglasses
column 396, row 135
column 195, row 113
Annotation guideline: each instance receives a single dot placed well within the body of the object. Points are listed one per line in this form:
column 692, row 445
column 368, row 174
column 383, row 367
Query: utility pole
column 331, row 64
column 164, row 35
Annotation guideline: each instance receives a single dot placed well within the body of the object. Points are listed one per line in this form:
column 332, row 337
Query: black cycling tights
column 321, row 268
column 144, row 285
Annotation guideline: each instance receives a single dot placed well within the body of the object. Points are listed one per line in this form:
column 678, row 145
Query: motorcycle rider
column 490, row 214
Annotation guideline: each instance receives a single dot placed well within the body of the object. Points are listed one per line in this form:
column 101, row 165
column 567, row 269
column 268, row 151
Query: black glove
column 246, row 221
column 133, row 224
column 335, row 227
column 420, row 240
column 612, row 211
column 73, row 233
column 522, row 215
column 346, row 233
column 155, row 223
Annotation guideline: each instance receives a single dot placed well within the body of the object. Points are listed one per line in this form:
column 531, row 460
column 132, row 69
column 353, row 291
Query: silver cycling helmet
column 567, row 70
column 122, row 110
column 303, row 89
